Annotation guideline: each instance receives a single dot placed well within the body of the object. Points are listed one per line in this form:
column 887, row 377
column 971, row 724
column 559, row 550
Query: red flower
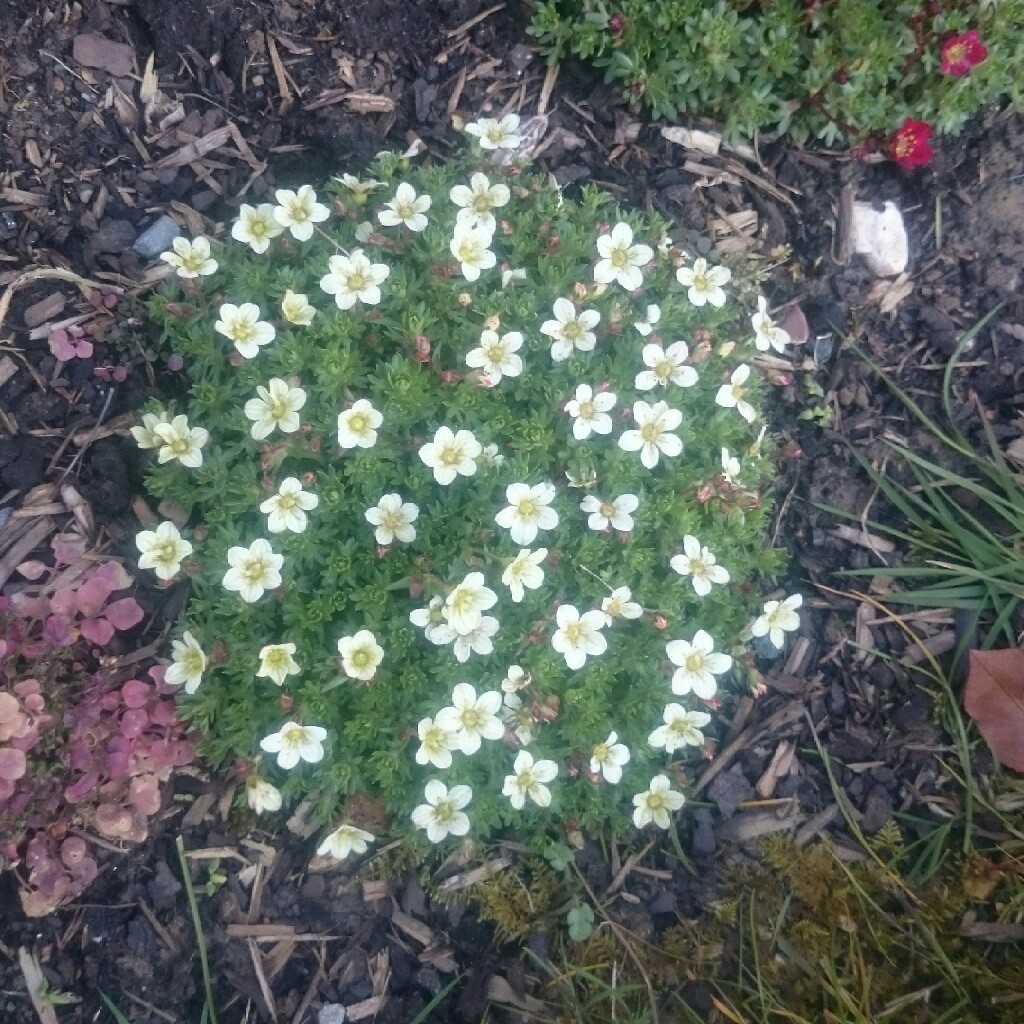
column 909, row 146
column 961, row 53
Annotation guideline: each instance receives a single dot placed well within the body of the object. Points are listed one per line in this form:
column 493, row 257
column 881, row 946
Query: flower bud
column 579, row 291
column 421, row 349
column 660, row 622
column 465, row 299
column 450, row 377
column 286, row 702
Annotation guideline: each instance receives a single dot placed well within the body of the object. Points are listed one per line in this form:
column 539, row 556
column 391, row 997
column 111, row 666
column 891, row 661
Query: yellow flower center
column 481, row 203
column 450, row 456
column 193, row 263
column 701, row 283
column 528, row 508
column 572, row 331
column 655, row 801
column 607, row 509
column 663, row 369
column 601, row 752
column 255, row 570
column 180, row 445
column 166, row 552
column 694, row 662
column 279, row 407
column 192, row 661
column 587, row 410
column 574, row 632
column 471, row 719
column 361, row 658
column 241, row 330
column 356, row 281
column 650, row 432
column 359, row 423
column 496, row 353
column 468, row 252
column 619, row 258
column 392, row 521
column 444, row 812
column 697, row 567
column 286, row 502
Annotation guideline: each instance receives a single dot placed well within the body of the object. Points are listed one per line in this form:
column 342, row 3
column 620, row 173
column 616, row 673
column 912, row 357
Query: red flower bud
column 421, row 348
column 286, row 702
column 660, row 622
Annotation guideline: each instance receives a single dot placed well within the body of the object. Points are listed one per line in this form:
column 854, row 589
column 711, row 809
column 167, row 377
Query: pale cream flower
column 496, row 357
column 191, row 259
column 442, row 815
column 518, row 717
column 256, row 226
column 287, row 509
column 353, row 278
column 430, row 619
column 682, row 728
column 621, row 260
column 162, row 550
column 471, row 247
column 655, row 804
column 524, row 571
column 767, row 333
column 360, row 189
column 666, row 366
column 495, row 134
column 436, row 744
column 654, row 435
column 589, row 412
column 477, row 200
column 730, row 466
column 344, row 841
column 700, row 565
column 294, row 743
column 578, row 636
column 181, row 442
column 528, row 780
column 474, row 641
column 405, row 207
column 619, row 604
column 472, row 718
column 261, row 796
column 516, row 678
column 296, row 308
column 450, row 455
column 242, row 325
column 528, row 510
column 467, row 602
column 732, row 395
column 277, row 663
column 617, row 514
column 253, row 570
column 608, row 758
column 188, row 663
column 277, row 405
column 704, row 282
column 393, row 519
column 697, row 665
column 145, row 434
column 570, row 331
column 360, row 655
column 649, row 321
column 299, row 211
column 357, row 426
column 778, row 619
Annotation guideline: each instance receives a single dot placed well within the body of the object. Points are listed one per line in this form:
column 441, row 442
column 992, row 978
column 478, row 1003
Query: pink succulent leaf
column 182, row 753
column 125, row 613
column 81, row 788
column 61, row 345
column 113, row 821
column 33, row 570
column 94, row 592
column 64, row 602
column 162, row 713
column 13, row 764
column 57, row 630
column 6, row 792
column 117, row 763
column 144, row 794
column 84, row 872
column 114, row 573
column 10, row 709
column 97, row 631
column 136, row 693
column 83, row 348
column 67, row 548
column 134, row 722
column 73, row 851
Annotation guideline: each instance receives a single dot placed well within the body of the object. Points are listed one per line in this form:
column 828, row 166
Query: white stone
column 880, row 237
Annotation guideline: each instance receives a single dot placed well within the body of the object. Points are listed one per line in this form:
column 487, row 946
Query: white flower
column 467, row 602
column 405, row 208
column 296, row 309
column 442, row 815
column 472, row 718
column 471, row 247
column 357, row 426
column 364, row 231
column 654, row 804
column 516, row 678
column 621, row 260
column 528, row 510
column 698, row 664
column 191, row 259
column 242, row 325
column 497, row 356
column 345, row 840
column 475, row 641
column 256, row 226
column 698, row 563
column 490, row 456
column 278, row 405
column 651, row 318
column 261, row 796
column 294, row 743
column 519, row 718
column 528, row 780
column 608, row 758
column 353, row 278
column 450, row 455
column 617, row 514
column 162, row 550
column 145, row 434
column 731, row 395
column 778, row 619
column 704, row 282
column 477, row 200
column 510, row 275
column 570, row 330
column 619, row 604
column 767, row 334
column 578, row 635
column 360, row 189
column 393, row 519
column 277, row 663
column 360, row 655
column 667, row 366
column 653, row 436
column 287, row 509
column 181, row 442
column 299, row 211
column 682, row 728
column 253, row 570
column 188, row 663
column 436, row 744
column 524, row 571
column 730, row 466
column 493, row 134
column 590, row 412
column 429, row 619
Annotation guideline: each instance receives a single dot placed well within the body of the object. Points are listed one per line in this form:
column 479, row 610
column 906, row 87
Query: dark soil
column 307, row 90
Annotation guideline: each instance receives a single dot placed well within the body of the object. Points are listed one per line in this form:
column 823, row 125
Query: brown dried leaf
column 995, row 700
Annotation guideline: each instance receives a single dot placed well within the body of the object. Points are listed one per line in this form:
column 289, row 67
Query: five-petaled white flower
column 589, row 412
column 467, row 602
column 528, row 779
column 188, row 663
column 296, row 308
column 472, row 718
column 294, row 743
column 767, row 333
column 190, row 259
column 360, row 189
column 277, row 405
column 442, row 815
column 731, row 395
column 516, row 678
column 608, row 758
column 519, row 718
column 524, row 571
column 621, row 260
column 649, row 321
column 145, row 433
column 162, row 550
column 261, row 796
column 242, row 325
column 345, row 840
column 653, row 436
column 619, row 604
column 704, row 282
column 180, row 441
column 299, row 211
column 475, row 641
column 405, row 207
column 655, row 803
column 578, row 636
column 360, row 655
column 697, row 665
column 617, row 514
column 430, row 619
column 436, row 744
column 357, row 426
column 450, row 455
column 700, row 565
column 682, row 728
column 287, row 509
column 471, row 247
column 256, row 226
column 570, row 330
column 528, row 510
column 277, row 662
column 778, row 619
column 666, row 366
column 253, row 570
column 496, row 357
column 730, row 466
column 494, row 134
column 353, row 278
column 477, row 200
column 393, row 519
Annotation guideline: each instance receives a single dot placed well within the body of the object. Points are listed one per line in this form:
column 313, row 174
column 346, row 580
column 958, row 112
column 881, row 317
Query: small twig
column 197, row 923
